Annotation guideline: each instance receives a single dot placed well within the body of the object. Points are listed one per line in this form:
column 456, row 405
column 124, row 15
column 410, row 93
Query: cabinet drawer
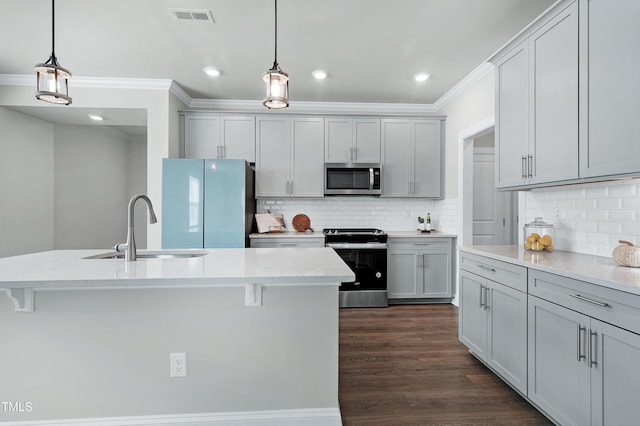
column 606, row 304
column 286, row 242
column 420, row 243
column 505, row 273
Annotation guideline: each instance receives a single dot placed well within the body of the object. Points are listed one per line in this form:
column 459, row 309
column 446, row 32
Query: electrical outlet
column 559, row 215
column 178, row 364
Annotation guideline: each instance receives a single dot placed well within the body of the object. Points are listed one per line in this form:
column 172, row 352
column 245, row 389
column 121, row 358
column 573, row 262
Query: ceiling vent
column 198, row 15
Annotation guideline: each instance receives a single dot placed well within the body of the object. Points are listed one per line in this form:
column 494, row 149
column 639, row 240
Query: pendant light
column 276, row 79
column 52, row 84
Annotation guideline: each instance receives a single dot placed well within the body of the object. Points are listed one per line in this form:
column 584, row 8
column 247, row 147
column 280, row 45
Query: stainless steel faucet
column 130, row 246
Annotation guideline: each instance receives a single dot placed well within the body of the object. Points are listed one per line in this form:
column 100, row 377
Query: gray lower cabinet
column 583, row 370
column 493, row 325
column 570, row 347
column 419, row 268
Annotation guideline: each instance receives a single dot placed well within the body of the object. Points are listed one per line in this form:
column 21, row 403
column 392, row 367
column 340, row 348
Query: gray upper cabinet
column 412, row 157
column 610, row 59
column 352, row 140
column 209, row 136
column 537, row 106
column 290, row 157
column 512, row 118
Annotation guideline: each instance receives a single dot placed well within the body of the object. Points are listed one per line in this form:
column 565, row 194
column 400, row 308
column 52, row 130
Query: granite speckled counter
column 603, row 271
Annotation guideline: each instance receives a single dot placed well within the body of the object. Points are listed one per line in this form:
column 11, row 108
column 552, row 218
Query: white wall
column 91, row 187
column 162, row 127
column 26, row 184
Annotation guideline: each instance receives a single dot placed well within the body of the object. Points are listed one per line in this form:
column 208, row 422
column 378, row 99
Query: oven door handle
column 357, row 246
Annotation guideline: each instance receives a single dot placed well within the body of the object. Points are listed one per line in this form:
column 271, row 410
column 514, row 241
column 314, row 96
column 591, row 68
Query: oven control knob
column 378, row 274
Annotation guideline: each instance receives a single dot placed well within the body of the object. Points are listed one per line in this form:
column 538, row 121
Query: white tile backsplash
column 594, row 216
column 389, row 214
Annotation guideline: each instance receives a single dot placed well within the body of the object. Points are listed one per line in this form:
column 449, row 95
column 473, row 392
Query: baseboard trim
column 307, row 417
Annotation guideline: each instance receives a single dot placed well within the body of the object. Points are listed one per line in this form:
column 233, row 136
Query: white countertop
column 65, row 269
column 603, row 271
column 288, row 234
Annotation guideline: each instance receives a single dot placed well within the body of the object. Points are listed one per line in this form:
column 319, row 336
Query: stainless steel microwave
column 352, row 179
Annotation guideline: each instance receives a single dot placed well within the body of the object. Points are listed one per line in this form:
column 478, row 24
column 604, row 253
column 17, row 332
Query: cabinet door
column 554, row 55
column 272, row 157
column 202, row 136
column 472, row 321
column 396, row 150
column 558, row 369
column 507, row 334
column 610, row 60
column 615, row 376
column 307, row 167
column 402, row 274
column 512, row 118
column 338, row 142
column 436, row 274
column 239, row 138
column 427, row 143
column 366, row 140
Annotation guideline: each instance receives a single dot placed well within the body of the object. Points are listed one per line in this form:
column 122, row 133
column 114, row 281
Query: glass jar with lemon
column 538, row 236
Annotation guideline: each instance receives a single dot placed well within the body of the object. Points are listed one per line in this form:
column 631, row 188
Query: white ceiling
column 370, row 48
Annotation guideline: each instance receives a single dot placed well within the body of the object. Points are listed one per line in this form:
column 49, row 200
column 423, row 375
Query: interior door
column 491, row 208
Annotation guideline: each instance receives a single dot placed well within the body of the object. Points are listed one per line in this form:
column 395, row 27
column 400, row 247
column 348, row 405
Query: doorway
column 493, row 219
column 488, row 216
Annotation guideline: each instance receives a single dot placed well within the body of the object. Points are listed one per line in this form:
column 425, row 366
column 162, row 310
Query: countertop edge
column 580, row 259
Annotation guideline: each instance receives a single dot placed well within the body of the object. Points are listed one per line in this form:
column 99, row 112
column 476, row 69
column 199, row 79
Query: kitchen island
column 92, row 338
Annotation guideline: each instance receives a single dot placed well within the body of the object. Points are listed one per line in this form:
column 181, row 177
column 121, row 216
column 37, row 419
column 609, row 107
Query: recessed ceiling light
column 95, row 117
column 319, row 75
column 421, row 77
column 213, row 72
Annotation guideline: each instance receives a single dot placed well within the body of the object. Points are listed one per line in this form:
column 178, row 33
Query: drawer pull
column 481, row 294
column 486, row 268
column 593, row 302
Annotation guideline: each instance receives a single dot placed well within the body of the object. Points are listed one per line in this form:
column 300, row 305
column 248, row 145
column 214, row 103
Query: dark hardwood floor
column 404, row 365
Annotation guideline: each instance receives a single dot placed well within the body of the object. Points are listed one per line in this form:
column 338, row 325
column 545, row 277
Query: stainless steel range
column 365, row 251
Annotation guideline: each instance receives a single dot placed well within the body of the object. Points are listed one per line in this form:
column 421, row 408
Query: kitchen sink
column 168, row 254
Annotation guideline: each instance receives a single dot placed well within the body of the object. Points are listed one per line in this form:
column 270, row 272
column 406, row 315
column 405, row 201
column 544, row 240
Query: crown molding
column 93, row 82
column 314, row 107
column 256, row 105
column 468, row 81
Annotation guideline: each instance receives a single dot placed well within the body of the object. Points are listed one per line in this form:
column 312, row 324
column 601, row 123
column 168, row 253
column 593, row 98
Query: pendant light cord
column 275, row 55
column 53, row 28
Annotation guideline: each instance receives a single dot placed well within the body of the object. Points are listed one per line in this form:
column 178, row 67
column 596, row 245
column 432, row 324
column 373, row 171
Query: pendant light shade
column 52, row 81
column 277, row 80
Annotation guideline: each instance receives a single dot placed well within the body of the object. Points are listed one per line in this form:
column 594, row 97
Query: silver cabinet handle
column 581, row 356
column 487, row 293
column 530, row 165
column 593, row 302
column 486, row 268
column 481, row 295
column 370, row 177
column 593, row 346
column 524, row 167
